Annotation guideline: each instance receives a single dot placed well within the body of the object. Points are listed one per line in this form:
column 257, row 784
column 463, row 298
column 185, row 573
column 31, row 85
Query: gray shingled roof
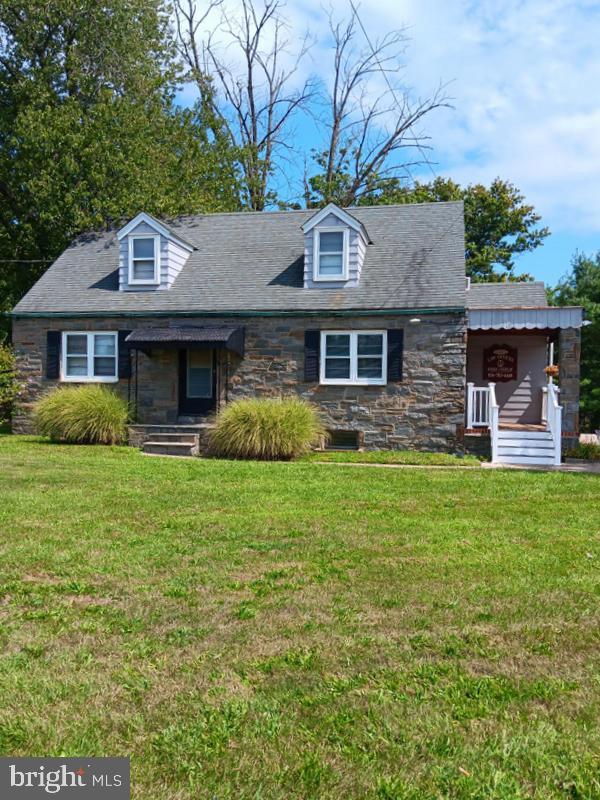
column 507, row 295
column 253, row 262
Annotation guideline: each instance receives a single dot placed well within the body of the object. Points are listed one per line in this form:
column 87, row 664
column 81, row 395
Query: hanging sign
column 500, row 363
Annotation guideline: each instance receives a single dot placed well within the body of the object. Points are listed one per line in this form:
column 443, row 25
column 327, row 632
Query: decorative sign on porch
column 500, row 363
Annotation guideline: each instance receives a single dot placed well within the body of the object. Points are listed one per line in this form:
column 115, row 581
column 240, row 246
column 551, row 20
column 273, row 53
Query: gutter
column 247, row 314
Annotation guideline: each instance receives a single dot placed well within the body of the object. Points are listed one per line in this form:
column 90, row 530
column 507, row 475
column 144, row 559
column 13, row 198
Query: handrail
column 554, row 419
column 494, row 420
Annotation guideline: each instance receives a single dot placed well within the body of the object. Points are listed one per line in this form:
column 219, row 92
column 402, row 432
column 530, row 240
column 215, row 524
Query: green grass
column 263, row 630
column 412, row 457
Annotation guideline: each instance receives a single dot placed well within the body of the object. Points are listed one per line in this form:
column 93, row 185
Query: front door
column 197, row 381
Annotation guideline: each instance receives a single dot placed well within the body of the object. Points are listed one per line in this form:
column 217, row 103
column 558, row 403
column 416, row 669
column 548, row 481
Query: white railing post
column 545, row 405
column 494, row 421
column 470, row 399
column 554, row 420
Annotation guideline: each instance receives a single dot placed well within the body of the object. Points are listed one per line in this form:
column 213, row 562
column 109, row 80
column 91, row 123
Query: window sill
column 325, row 382
column 84, row 379
column 331, row 279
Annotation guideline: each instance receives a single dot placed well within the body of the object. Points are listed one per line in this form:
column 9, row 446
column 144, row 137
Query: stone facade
column 569, row 352
column 425, row 410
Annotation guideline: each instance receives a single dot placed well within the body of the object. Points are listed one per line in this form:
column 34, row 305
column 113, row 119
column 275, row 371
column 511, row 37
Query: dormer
column 151, row 255
column 335, row 244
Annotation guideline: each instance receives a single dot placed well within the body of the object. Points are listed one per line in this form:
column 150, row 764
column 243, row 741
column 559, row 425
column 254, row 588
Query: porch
column 511, row 391
column 178, row 381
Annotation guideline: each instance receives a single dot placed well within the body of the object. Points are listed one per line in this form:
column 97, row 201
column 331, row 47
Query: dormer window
column 335, row 245
column 331, row 254
column 144, row 259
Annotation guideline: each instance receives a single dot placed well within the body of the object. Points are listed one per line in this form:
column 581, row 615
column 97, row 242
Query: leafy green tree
column 581, row 287
column 89, row 130
column 499, row 224
column 8, row 382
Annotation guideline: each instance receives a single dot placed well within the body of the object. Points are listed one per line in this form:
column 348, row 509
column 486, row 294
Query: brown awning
column 227, row 338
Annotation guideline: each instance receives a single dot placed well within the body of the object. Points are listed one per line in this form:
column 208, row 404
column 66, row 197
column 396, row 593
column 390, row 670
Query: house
column 364, row 311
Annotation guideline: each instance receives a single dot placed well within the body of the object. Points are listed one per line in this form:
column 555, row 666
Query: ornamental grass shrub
column 90, row 414
column 269, row 430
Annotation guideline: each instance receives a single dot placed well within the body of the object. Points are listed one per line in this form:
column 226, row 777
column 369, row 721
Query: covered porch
column 179, row 377
column 514, row 359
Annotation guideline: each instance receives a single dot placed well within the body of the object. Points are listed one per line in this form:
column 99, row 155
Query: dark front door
column 197, row 381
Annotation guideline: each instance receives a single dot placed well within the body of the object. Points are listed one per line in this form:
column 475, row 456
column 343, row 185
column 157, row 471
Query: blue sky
column 524, row 78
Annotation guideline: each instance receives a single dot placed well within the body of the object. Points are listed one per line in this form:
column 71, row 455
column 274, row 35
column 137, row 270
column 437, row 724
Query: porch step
column 534, row 436
column 171, row 440
column 526, row 447
column 174, row 438
column 171, row 448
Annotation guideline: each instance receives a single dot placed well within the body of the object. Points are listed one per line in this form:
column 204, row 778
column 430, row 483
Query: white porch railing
column 478, row 406
column 553, row 418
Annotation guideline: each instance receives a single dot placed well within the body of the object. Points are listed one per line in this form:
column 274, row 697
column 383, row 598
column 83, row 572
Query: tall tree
column 372, row 138
column 89, row 133
column 581, row 287
column 499, row 223
column 256, row 74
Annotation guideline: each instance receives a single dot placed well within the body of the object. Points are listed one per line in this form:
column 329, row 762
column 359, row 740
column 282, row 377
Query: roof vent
column 468, row 282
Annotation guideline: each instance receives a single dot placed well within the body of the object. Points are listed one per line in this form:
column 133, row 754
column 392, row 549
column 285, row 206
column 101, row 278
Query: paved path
column 578, row 466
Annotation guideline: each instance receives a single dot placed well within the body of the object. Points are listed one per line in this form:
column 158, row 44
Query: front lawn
column 256, row 630
column 411, row 457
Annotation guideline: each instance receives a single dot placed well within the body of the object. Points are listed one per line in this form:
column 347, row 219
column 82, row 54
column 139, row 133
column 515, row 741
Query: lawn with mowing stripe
column 256, row 630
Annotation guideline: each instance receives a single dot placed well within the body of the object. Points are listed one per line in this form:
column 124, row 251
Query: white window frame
column 317, row 254
column 353, row 380
column 155, row 280
column 90, row 377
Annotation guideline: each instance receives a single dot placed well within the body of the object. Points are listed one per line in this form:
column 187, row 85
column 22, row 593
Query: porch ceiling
column 226, row 337
column 494, row 319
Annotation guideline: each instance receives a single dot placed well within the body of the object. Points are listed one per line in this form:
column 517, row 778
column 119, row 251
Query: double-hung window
column 353, row 357
column 89, row 357
column 144, row 259
column 331, row 254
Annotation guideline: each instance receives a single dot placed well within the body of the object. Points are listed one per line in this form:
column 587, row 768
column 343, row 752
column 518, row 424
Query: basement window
column 343, row 440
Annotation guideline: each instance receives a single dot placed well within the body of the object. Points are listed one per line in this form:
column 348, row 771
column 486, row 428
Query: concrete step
column 183, row 438
column 171, row 448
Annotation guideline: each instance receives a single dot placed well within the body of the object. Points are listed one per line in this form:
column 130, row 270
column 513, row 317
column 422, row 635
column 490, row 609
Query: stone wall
column 569, row 352
column 423, row 411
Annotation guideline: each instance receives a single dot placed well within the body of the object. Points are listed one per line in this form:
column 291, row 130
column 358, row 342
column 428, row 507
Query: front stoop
column 170, row 440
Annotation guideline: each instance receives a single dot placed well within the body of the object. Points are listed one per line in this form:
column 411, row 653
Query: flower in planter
column 552, row 370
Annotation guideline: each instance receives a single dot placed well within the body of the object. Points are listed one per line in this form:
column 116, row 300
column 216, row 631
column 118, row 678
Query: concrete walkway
column 572, row 465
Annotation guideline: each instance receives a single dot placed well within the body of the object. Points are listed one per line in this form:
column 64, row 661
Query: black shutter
column 124, row 359
column 53, row 355
column 312, row 346
column 395, row 341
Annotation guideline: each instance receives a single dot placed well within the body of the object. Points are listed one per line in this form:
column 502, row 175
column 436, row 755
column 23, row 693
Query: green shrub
column 82, row 414
column 277, row 429
column 588, row 451
column 9, row 385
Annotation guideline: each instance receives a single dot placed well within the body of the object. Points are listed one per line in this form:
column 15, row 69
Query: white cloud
column 524, row 81
column 525, row 77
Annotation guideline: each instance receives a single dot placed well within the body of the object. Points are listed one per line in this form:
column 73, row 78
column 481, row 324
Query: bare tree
column 368, row 127
column 189, row 21
column 256, row 73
